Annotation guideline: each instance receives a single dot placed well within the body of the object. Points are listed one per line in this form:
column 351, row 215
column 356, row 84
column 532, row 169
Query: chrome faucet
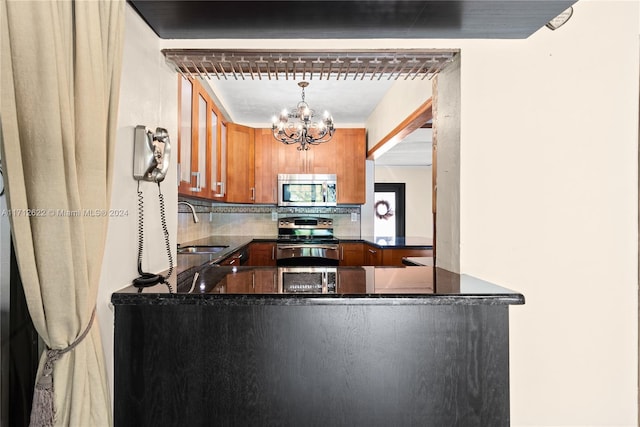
column 193, row 210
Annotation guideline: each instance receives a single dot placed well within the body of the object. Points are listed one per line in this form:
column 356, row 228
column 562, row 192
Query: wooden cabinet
column 237, row 258
column 390, row 257
column 349, row 158
column 250, row 282
column 393, row 257
column 351, row 281
column 266, row 167
column 201, row 143
column 262, row 254
column 266, row 281
column 240, row 282
column 319, row 159
column 351, row 254
column 240, row 164
column 372, row 255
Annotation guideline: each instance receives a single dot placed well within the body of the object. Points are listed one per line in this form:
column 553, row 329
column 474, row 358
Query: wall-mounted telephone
column 151, row 156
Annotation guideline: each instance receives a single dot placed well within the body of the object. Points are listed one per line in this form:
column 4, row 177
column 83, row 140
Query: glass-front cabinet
column 202, row 142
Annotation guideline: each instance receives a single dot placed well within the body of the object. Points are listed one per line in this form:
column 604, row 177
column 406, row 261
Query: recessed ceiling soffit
column 323, row 65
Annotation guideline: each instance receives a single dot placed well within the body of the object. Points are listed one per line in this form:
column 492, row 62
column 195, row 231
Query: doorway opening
column 389, row 212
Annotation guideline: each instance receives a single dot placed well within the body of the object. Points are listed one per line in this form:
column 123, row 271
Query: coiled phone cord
column 165, row 230
column 150, row 279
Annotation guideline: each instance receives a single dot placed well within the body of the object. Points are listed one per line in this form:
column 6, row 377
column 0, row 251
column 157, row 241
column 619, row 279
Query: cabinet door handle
column 342, row 253
column 372, row 251
column 253, row 193
column 197, row 187
column 221, row 185
column 273, row 252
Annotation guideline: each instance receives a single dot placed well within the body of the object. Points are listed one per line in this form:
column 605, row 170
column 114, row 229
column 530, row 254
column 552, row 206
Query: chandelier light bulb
column 304, row 131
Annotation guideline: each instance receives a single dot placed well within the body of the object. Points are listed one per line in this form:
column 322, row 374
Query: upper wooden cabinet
column 266, row 167
column 240, row 164
column 350, row 153
column 201, row 142
column 319, row 159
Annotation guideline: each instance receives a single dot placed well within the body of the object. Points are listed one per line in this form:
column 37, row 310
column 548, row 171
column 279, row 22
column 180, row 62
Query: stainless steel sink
column 201, row 249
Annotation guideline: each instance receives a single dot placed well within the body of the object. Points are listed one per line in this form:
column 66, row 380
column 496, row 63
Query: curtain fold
column 60, row 78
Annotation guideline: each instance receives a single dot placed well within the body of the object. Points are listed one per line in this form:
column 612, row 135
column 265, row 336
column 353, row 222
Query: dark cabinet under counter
column 352, row 346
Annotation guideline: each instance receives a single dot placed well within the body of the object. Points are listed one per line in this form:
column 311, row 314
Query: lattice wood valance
column 292, row 65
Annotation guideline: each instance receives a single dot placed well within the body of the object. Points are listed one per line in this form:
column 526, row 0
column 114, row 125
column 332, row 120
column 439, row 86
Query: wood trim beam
column 416, row 120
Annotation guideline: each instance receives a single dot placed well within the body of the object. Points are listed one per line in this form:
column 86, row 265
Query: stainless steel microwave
column 307, row 190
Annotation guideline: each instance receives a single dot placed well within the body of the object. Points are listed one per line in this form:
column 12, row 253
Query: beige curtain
column 60, row 78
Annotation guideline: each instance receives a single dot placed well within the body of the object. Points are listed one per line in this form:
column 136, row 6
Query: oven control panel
column 305, row 223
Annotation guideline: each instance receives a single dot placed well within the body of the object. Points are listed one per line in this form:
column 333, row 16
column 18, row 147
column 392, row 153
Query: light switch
column 274, row 215
column 354, row 217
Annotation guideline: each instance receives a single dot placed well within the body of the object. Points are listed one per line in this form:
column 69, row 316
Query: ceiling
column 181, row 19
column 253, row 99
column 255, row 102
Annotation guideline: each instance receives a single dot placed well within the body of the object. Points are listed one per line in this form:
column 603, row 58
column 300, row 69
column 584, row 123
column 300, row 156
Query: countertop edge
column 307, row 300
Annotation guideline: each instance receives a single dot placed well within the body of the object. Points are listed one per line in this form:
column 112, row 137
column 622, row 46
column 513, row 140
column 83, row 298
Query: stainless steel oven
column 307, row 280
column 300, row 254
column 306, row 241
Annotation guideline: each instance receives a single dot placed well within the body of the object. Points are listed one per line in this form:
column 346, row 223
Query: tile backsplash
column 223, row 219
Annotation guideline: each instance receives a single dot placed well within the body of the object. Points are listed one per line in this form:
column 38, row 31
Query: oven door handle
column 308, row 245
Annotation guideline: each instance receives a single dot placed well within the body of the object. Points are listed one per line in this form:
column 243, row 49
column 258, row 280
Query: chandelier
column 304, row 131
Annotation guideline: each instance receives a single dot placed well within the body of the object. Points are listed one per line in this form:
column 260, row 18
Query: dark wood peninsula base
column 376, row 359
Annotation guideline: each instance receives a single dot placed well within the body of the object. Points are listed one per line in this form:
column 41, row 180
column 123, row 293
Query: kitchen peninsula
column 350, row 346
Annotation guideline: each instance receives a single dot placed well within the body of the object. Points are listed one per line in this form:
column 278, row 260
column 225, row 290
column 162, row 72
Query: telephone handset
column 151, row 156
column 152, row 152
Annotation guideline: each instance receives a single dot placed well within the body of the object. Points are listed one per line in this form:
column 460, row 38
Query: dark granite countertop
column 401, row 242
column 232, row 243
column 214, row 284
column 418, row 260
column 187, row 262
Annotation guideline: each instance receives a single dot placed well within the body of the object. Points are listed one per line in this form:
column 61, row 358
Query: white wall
column 400, row 101
column 418, row 214
column 148, row 96
column 549, row 158
column 548, row 201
